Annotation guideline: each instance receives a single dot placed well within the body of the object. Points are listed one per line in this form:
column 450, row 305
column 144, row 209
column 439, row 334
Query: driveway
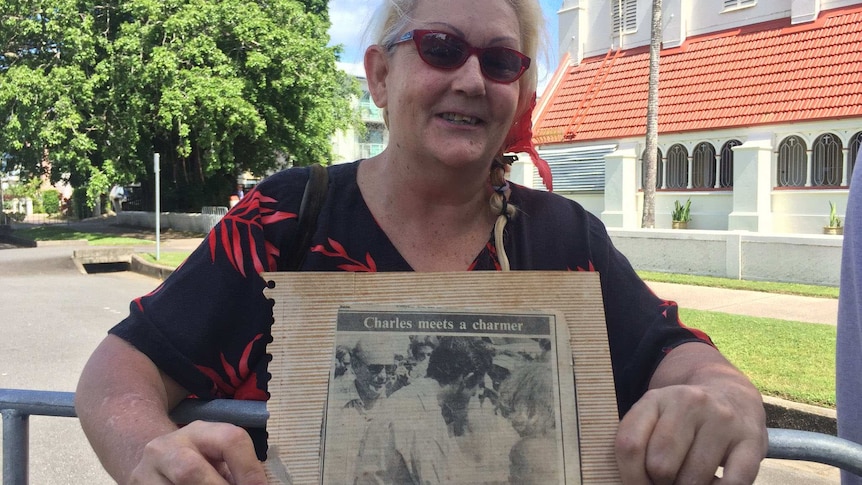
column 52, row 317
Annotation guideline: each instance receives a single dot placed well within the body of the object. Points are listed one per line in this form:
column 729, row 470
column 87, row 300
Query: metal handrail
column 17, row 405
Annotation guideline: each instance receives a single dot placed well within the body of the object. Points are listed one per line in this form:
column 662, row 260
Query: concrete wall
column 810, row 259
column 198, row 223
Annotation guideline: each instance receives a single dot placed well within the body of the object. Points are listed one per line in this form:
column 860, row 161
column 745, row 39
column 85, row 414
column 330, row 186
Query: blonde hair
column 388, row 24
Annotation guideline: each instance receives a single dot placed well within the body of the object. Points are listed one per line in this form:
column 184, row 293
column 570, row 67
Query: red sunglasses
column 447, row 51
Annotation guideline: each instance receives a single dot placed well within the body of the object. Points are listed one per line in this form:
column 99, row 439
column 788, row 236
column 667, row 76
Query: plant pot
column 834, row 231
column 679, row 224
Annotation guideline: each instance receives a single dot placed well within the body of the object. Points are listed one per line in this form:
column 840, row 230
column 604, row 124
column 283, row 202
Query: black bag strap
column 312, row 200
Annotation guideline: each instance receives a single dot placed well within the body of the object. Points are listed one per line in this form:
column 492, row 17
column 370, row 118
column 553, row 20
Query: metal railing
column 213, row 214
column 18, row 405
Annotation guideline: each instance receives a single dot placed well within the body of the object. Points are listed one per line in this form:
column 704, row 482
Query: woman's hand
column 201, row 453
column 123, row 403
column 701, row 413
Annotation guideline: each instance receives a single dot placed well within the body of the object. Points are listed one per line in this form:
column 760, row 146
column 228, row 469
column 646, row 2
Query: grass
column 765, row 286
column 785, row 359
column 166, row 258
column 58, row 233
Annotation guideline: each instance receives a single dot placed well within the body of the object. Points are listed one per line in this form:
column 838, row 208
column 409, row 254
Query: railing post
column 16, row 447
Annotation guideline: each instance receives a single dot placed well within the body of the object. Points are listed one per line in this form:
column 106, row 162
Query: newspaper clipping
column 439, row 396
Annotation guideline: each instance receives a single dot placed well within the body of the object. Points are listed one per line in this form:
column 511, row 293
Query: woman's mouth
column 460, row 119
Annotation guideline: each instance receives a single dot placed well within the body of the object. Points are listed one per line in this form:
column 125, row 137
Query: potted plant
column 681, row 214
column 834, row 227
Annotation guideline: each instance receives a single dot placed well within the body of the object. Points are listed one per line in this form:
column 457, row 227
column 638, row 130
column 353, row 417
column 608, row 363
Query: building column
column 621, row 188
column 522, row 171
column 752, row 186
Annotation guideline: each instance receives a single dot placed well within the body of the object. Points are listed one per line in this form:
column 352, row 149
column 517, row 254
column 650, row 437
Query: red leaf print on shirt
column 254, row 211
column 241, row 383
column 354, row 265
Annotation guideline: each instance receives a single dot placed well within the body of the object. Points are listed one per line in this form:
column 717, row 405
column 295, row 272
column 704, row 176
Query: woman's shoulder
column 289, row 184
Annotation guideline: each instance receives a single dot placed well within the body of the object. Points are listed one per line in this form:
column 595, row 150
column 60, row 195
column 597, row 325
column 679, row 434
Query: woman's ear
column 377, row 70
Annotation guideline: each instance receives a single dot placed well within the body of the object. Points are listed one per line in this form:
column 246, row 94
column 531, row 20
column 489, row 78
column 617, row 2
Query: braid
column 500, row 205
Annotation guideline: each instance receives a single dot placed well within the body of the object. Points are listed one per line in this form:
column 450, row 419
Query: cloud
column 349, row 18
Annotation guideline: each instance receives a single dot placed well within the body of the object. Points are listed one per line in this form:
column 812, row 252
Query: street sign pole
column 158, row 207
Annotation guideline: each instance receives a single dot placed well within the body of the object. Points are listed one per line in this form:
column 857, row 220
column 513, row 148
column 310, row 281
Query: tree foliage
column 217, row 87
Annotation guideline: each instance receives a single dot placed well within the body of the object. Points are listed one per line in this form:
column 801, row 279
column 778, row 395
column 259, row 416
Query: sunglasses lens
column 442, row 50
column 445, row 51
column 501, row 64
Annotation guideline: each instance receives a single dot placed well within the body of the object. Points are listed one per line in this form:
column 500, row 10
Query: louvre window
column 731, row 4
column 624, row 16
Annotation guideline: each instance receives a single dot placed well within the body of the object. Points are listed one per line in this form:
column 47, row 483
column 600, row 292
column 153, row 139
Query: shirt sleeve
column 642, row 328
column 207, row 325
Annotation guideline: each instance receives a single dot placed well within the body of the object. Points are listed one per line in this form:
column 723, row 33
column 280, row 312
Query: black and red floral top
column 208, row 324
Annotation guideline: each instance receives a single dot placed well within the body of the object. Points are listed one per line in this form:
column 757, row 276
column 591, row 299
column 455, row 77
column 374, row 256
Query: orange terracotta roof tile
column 772, row 72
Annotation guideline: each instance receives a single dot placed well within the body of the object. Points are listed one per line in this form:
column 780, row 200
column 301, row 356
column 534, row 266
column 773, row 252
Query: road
column 52, row 318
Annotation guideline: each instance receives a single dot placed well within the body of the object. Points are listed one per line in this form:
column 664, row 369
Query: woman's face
column 454, row 117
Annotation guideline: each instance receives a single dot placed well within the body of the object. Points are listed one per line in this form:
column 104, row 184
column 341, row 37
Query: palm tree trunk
column 651, row 150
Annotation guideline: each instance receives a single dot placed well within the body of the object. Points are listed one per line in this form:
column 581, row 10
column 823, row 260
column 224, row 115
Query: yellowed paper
column 312, row 437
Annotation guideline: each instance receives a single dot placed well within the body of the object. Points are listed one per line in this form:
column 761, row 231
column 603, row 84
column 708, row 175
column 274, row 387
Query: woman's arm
column 700, row 413
column 123, row 402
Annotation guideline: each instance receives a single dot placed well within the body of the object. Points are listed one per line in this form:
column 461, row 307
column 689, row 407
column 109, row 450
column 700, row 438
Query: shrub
column 51, row 201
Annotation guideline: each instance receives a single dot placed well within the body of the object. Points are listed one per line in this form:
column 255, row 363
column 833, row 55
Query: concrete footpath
column 751, row 303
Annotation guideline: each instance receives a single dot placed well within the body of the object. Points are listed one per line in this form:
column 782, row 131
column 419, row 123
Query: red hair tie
column 520, row 139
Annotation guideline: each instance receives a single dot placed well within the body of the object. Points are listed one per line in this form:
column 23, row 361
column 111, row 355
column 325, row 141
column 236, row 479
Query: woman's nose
column 470, row 79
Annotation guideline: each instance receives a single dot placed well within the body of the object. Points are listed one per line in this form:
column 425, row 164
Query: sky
column 349, row 18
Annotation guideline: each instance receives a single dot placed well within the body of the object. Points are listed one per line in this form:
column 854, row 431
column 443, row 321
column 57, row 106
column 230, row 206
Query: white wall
column 811, row 259
column 681, row 19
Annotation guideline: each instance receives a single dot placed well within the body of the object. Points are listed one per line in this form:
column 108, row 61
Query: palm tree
column 651, row 150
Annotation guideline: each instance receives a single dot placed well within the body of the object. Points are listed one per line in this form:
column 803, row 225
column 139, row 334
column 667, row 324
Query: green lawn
column 166, row 258
column 790, row 360
column 63, row 233
column 766, row 286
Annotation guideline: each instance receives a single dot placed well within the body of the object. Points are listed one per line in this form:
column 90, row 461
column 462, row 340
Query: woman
column 421, row 205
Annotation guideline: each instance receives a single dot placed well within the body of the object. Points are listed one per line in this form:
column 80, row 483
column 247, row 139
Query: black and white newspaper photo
column 436, row 396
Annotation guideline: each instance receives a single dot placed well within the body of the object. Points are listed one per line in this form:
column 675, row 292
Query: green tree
column 215, row 87
column 48, row 57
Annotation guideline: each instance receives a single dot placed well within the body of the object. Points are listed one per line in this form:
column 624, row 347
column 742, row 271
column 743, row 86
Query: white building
column 354, row 144
column 760, row 110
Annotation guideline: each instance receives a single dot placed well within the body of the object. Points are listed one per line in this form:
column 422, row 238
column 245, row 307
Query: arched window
column 725, row 178
column 852, row 152
column 677, row 167
column 827, row 161
column 792, row 162
column 659, row 168
column 703, row 166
